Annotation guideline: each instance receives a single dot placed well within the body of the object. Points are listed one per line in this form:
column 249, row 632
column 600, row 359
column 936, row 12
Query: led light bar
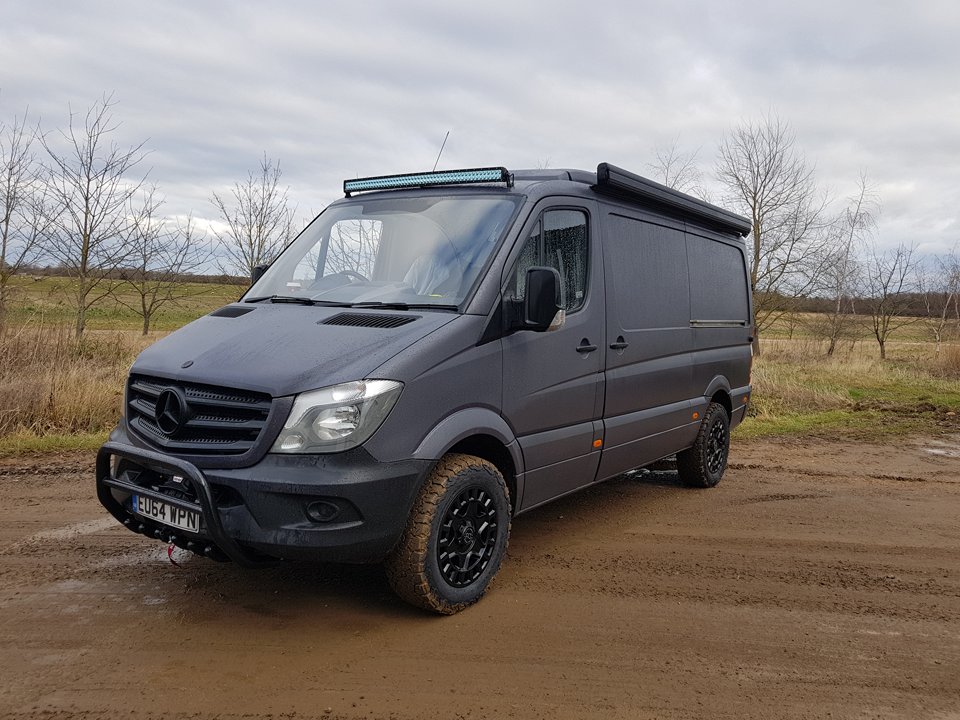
column 428, row 179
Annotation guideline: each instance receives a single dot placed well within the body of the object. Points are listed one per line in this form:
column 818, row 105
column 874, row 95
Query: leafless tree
column 90, row 183
column 677, row 169
column 768, row 180
column 258, row 217
column 841, row 275
column 891, row 285
column 159, row 258
column 23, row 212
column 939, row 287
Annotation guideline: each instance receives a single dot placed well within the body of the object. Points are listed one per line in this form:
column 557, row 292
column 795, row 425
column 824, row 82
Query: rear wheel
column 456, row 536
column 703, row 464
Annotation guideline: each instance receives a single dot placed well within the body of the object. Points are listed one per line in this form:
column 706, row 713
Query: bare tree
column 677, row 169
column 769, row 180
column 841, row 271
column 891, row 284
column 939, row 288
column 90, row 185
column 258, row 218
column 159, row 258
column 23, row 213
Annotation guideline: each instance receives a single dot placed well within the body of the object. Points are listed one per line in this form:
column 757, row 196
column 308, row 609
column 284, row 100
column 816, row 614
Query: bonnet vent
column 231, row 311
column 369, row 320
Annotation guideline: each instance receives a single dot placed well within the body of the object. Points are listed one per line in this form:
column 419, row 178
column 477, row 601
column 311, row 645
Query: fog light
column 322, row 511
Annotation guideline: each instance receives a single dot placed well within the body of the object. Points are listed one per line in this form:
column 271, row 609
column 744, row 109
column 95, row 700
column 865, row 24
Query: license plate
column 166, row 513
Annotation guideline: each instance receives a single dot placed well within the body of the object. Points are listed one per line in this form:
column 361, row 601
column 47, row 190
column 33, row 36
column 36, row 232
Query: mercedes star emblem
column 171, row 412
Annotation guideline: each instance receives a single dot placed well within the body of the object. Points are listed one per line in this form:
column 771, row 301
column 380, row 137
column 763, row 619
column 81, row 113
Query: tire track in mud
column 946, row 477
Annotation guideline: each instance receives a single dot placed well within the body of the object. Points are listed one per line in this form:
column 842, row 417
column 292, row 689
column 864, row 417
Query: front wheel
column 456, row 536
column 703, row 464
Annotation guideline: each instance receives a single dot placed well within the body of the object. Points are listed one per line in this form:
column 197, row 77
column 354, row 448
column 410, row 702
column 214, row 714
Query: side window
column 559, row 240
column 711, row 300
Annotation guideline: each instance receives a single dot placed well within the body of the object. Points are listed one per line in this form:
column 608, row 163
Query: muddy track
column 819, row 579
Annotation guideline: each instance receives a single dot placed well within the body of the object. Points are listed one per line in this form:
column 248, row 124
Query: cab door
column 553, row 381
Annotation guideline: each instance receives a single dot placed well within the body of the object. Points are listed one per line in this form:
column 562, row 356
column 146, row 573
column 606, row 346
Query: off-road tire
column 701, row 465
column 413, row 567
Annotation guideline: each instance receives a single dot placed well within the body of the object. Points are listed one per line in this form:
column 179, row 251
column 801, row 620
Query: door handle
column 620, row 344
column 585, row 346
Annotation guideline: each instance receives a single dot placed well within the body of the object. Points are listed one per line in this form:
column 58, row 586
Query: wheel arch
column 718, row 390
column 480, row 432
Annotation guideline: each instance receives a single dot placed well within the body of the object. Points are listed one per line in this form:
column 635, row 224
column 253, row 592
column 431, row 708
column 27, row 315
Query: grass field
column 45, row 301
column 798, row 326
column 57, row 393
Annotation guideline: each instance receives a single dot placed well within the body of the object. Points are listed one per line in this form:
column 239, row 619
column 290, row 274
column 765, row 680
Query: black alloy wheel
column 717, row 444
column 467, row 538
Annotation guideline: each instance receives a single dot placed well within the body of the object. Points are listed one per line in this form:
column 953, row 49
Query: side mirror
column 257, row 273
column 541, row 305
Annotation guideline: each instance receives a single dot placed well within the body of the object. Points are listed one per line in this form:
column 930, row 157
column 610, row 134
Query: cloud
column 348, row 89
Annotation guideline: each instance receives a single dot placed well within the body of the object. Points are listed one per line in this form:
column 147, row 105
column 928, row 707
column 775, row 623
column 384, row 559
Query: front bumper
column 344, row 507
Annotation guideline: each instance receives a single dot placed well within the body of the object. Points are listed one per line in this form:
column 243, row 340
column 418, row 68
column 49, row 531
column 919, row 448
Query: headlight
column 337, row 418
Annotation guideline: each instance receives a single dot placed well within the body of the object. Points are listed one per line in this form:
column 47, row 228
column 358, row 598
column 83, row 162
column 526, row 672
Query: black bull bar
column 213, row 527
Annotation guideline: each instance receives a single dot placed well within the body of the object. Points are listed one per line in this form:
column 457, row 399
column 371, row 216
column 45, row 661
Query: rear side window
column 559, row 240
column 648, row 269
column 718, row 282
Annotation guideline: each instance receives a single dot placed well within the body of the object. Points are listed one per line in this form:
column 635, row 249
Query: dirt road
column 820, row 579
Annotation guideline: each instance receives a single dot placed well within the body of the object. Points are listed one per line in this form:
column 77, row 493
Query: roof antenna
column 442, row 146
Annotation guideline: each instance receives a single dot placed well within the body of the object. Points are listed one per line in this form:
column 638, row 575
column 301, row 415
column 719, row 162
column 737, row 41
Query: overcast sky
column 336, row 90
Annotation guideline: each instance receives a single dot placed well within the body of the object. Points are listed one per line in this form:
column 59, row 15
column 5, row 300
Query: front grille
column 195, row 419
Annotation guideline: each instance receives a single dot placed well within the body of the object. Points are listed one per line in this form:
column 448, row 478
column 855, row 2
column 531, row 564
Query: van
column 435, row 354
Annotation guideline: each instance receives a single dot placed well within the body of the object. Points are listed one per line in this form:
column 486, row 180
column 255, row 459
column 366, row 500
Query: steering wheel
column 350, row 273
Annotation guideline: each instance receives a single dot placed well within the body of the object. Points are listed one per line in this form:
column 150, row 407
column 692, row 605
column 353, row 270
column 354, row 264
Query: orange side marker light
column 598, row 443
column 696, row 415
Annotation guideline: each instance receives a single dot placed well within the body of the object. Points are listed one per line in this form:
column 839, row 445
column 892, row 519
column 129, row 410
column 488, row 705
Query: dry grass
column 947, row 361
column 797, row 388
column 51, row 384
column 56, row 392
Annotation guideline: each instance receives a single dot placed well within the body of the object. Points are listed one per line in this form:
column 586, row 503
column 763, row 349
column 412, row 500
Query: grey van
column 433, row 355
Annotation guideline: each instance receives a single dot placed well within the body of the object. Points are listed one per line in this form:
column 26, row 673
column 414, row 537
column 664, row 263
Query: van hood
column 286, row 349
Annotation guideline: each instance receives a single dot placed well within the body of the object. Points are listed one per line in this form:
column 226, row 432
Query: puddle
column 87, row 527
column 943, row 448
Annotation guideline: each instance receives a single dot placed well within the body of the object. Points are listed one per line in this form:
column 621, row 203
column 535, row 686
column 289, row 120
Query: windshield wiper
column 298, row 300
column 404, row 306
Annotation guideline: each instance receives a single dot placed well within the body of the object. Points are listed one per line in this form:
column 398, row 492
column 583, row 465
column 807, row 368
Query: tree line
column 75, row 197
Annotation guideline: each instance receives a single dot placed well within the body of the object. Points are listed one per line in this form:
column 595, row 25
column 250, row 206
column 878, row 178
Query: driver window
column 559, row 240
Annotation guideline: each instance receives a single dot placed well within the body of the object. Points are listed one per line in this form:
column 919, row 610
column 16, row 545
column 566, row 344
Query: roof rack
column 428, row 179
column 617, row 181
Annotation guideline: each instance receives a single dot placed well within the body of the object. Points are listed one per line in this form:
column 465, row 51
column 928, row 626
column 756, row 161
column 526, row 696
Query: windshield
column 398, row 250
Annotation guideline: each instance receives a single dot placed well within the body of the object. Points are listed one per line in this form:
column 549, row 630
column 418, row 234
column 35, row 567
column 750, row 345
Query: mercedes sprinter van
column 433, row 355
